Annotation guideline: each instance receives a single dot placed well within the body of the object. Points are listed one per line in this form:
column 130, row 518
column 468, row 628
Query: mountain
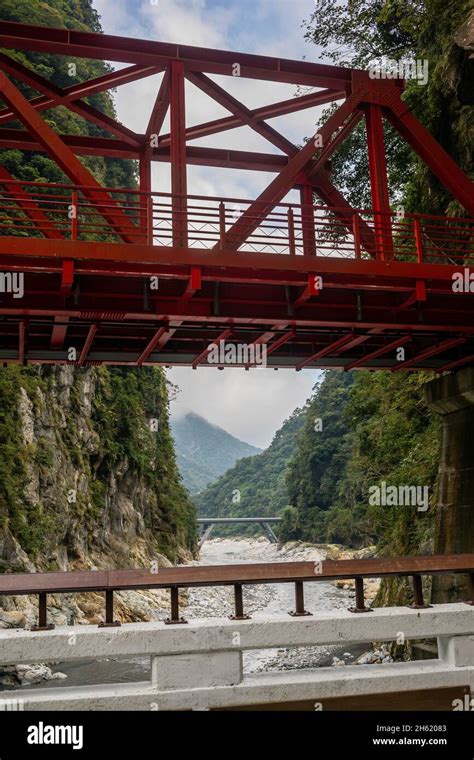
column 255, row 484
column 204, row 451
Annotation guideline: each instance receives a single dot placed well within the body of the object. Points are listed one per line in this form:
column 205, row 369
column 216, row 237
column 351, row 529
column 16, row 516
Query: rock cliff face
column 88, row 479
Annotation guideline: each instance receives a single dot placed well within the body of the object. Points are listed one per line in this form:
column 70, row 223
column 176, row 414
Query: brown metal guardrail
column 174, row 578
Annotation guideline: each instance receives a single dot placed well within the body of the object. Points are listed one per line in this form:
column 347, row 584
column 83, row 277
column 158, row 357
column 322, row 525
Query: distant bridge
column 207, row 525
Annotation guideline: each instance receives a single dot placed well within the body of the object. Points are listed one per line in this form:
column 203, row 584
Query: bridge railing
column 35, row 209
column 239, row 575
column 201, row 666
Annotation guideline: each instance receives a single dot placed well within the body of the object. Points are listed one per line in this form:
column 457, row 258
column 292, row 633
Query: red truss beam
column 457, row 363
column 378, row 176
column 200, row 358
column 401, row 341
column 281, row 185
column 29, row 206
column 63, row 156
column 429, row 352
column 335, row 346
column 87, row 345
column 106, row 47
column 76, row 91
column 178, row 154
column 259, row 114
column 243, row 113
column 160, row 338
column 434, row 156
column 54, row 96
column 58, row 335
column 85, row 145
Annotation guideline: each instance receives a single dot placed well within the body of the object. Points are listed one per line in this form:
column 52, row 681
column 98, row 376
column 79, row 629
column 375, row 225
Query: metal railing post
column 174, row 618
column 43, row 624
column 419, row 602
column 149, row 220
column 360, row 600
column 356, row 235
column 239, row 604
column 299, row 601
column 109, row 621
column 222, row 225
column 418, row 240
column 291, row 232
column 75, row 215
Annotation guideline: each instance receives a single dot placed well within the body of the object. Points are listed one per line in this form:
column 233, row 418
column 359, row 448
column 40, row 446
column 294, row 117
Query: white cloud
column 251, row 405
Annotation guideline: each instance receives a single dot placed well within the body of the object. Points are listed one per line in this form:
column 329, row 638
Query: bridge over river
column 207, row 525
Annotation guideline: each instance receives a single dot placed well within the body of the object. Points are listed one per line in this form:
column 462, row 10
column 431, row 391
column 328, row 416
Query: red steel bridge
column 134, row 277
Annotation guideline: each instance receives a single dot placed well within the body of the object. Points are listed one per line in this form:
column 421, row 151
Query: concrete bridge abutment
column 452, row 397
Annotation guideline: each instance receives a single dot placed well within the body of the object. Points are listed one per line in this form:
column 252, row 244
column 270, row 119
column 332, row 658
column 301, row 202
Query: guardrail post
column 360, row 601
column 222, row 225
column 109, row 621
column 239, row 604
column 175, row 619
column 43, row 624
column 418, row 240
column 419, row 603
column 291, row 232
column 356, row 235
column 149, row 220
column 299, row 601
column 75, row 215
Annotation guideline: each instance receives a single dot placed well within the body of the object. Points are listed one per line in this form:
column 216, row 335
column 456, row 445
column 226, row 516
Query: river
column 211, row 602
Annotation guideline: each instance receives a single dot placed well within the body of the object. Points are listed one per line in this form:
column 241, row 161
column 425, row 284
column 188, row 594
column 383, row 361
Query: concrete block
column 204, row 670
column 457, row 651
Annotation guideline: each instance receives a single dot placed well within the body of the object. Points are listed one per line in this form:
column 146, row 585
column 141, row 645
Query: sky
column 251, row 405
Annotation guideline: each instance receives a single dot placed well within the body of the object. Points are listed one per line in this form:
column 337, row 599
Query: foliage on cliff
column 128, row 491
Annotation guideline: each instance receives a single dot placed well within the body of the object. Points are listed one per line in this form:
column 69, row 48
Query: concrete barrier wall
column 199, row 665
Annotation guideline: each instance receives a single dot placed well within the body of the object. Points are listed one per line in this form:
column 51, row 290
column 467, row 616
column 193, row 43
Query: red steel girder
column 160, row 338
column 72, row 43
column 29, row 206
column 58, row 335
column 401, row 341
column 378, row 179
column 53, row 96
column 429, row 352
column 335, row 346
column 87, row 345
column 456, row 363
column 86, row 145
column 76, row 91
column 283, row 183
column 63, row 156
column 434, row 156
column 243, row 113
column 200, row 358
column 178, row 154
column 259, row 114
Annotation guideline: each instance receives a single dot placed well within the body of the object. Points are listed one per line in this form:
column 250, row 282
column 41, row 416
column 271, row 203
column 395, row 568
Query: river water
column 217, row 602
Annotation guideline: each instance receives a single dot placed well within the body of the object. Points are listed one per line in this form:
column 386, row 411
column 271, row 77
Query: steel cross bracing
column 133, row 276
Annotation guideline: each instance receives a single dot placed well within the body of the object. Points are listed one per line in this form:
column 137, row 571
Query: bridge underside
column 365, row 311
column 324, row 286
